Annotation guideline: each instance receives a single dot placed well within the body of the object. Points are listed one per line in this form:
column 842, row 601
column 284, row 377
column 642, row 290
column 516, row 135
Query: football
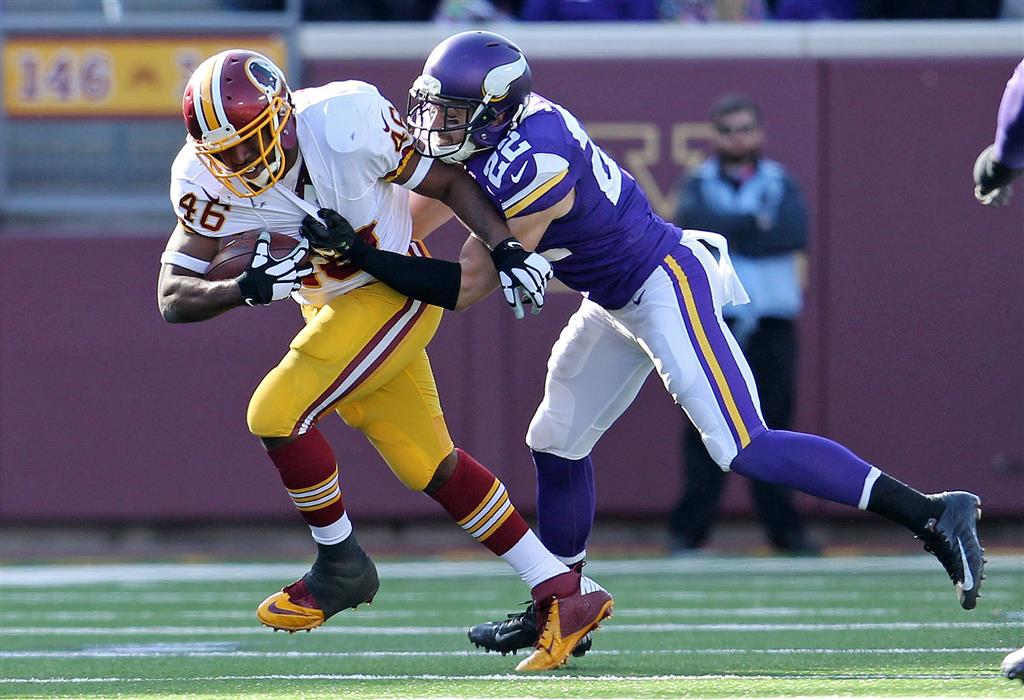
column 234, row 257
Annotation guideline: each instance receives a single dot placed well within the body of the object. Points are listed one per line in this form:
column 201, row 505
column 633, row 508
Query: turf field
column 700, row 626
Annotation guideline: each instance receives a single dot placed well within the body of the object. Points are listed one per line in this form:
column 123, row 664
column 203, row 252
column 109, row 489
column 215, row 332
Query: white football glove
column 992, row 179
column 523, row 275
column 269, row 279
column 994, row 198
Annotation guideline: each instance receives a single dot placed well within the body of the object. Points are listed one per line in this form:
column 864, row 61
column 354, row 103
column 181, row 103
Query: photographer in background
column 760, row 210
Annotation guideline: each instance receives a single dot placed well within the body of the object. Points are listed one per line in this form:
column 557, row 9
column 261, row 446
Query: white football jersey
column 353, row 143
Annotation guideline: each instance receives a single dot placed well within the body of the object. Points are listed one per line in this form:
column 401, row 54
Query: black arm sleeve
column 435, row 282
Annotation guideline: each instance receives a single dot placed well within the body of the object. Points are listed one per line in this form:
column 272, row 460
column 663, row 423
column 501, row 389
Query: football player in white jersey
column 259, row 158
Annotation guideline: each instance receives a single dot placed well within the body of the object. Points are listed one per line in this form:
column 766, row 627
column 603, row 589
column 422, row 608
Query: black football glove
column 523, row 275
column 267, row 278
column 992, row 179
column 334, row 238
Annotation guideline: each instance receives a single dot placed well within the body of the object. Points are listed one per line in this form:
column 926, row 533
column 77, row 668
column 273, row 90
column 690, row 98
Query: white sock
column 569, row 561
column 532, row 561
column 336, row 532
column 869, row 484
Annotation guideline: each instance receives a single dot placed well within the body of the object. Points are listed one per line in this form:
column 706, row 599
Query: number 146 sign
column 111, row 76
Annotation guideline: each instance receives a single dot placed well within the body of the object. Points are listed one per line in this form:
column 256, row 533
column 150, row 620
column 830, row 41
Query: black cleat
column 954, row 542
column 517, row 631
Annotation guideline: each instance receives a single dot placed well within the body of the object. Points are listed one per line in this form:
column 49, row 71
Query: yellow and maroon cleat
column 292, row 609
column 564, row 621
column 343, row 576
column 295, row 609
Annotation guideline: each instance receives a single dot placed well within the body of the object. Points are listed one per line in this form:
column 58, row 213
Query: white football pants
column 673, row 325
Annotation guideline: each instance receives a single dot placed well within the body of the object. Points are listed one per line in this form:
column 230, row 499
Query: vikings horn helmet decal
column 472, row 91
column 240, row 97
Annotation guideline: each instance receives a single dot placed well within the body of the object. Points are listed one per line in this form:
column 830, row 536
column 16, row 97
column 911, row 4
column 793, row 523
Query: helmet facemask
column 264, row 133
column 444, row 127
column 454, row 127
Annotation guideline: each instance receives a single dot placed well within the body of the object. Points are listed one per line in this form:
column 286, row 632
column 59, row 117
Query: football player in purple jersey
column 652, row 301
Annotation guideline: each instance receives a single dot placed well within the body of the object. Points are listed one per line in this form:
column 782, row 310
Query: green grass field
column 691, row 627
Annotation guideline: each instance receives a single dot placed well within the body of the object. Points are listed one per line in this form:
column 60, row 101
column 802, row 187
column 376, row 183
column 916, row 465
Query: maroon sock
column 310, row 473
column 478, row 502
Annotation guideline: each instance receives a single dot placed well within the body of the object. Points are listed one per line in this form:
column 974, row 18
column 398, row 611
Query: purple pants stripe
column 697, row 305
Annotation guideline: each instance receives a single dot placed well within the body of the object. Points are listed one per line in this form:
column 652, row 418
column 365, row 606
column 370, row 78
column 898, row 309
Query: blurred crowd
column 687, row 11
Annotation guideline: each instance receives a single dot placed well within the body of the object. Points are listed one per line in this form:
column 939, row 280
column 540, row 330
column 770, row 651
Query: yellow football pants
column 362, row 355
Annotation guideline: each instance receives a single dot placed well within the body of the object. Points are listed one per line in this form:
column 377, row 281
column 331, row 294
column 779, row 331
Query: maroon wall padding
column 912, row 339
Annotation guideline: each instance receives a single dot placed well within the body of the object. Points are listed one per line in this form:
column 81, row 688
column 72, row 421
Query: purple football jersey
column 611, row 240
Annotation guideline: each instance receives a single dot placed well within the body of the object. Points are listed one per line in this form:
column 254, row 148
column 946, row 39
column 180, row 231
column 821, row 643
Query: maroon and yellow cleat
column 342, row 576
column 564, row 621
column 294, row 609
column 291, row 609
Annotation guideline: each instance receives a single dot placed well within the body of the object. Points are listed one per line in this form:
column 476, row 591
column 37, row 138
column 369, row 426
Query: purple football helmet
column 473, row 89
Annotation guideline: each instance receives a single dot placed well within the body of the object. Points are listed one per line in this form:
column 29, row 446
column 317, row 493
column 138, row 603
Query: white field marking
column 249, row 613
column 367, row 615
column 754, row 612
column 65, row 615
column 810, row 596
column 508, row 677
column 106, row 616
column 191, row 651
column 118, row 598
column 9, row 632
column 18, row 596
column 69, row 575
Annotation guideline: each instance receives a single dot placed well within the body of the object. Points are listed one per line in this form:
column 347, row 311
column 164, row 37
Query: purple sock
column 565, row 502
column 807, row 463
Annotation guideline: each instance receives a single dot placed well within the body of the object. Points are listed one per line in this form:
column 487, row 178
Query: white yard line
column 760, row 611
column 558, row 678
column 62, row 615
column 805, row 596
column 176, row 631
column 71, row 575
column 142, row 653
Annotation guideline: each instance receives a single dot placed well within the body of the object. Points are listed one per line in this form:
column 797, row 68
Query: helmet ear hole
column 488, row 115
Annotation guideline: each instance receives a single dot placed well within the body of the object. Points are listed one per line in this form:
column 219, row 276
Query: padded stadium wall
column 911, row 343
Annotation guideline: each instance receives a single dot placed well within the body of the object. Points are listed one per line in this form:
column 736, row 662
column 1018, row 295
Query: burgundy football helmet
column 234, row 97
column 472, row 91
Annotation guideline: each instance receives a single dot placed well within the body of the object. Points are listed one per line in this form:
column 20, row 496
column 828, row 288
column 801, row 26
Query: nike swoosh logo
column 499, row 637
column 519, row 176
column 211, row 198
column 281, row 611
column 968, row 578
column 639, row 296
column 387, row 129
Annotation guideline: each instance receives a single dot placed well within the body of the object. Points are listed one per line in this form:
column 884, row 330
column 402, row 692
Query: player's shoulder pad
column 348, row 113
column 544, row 127
column 190, row 176
column 528, row 181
